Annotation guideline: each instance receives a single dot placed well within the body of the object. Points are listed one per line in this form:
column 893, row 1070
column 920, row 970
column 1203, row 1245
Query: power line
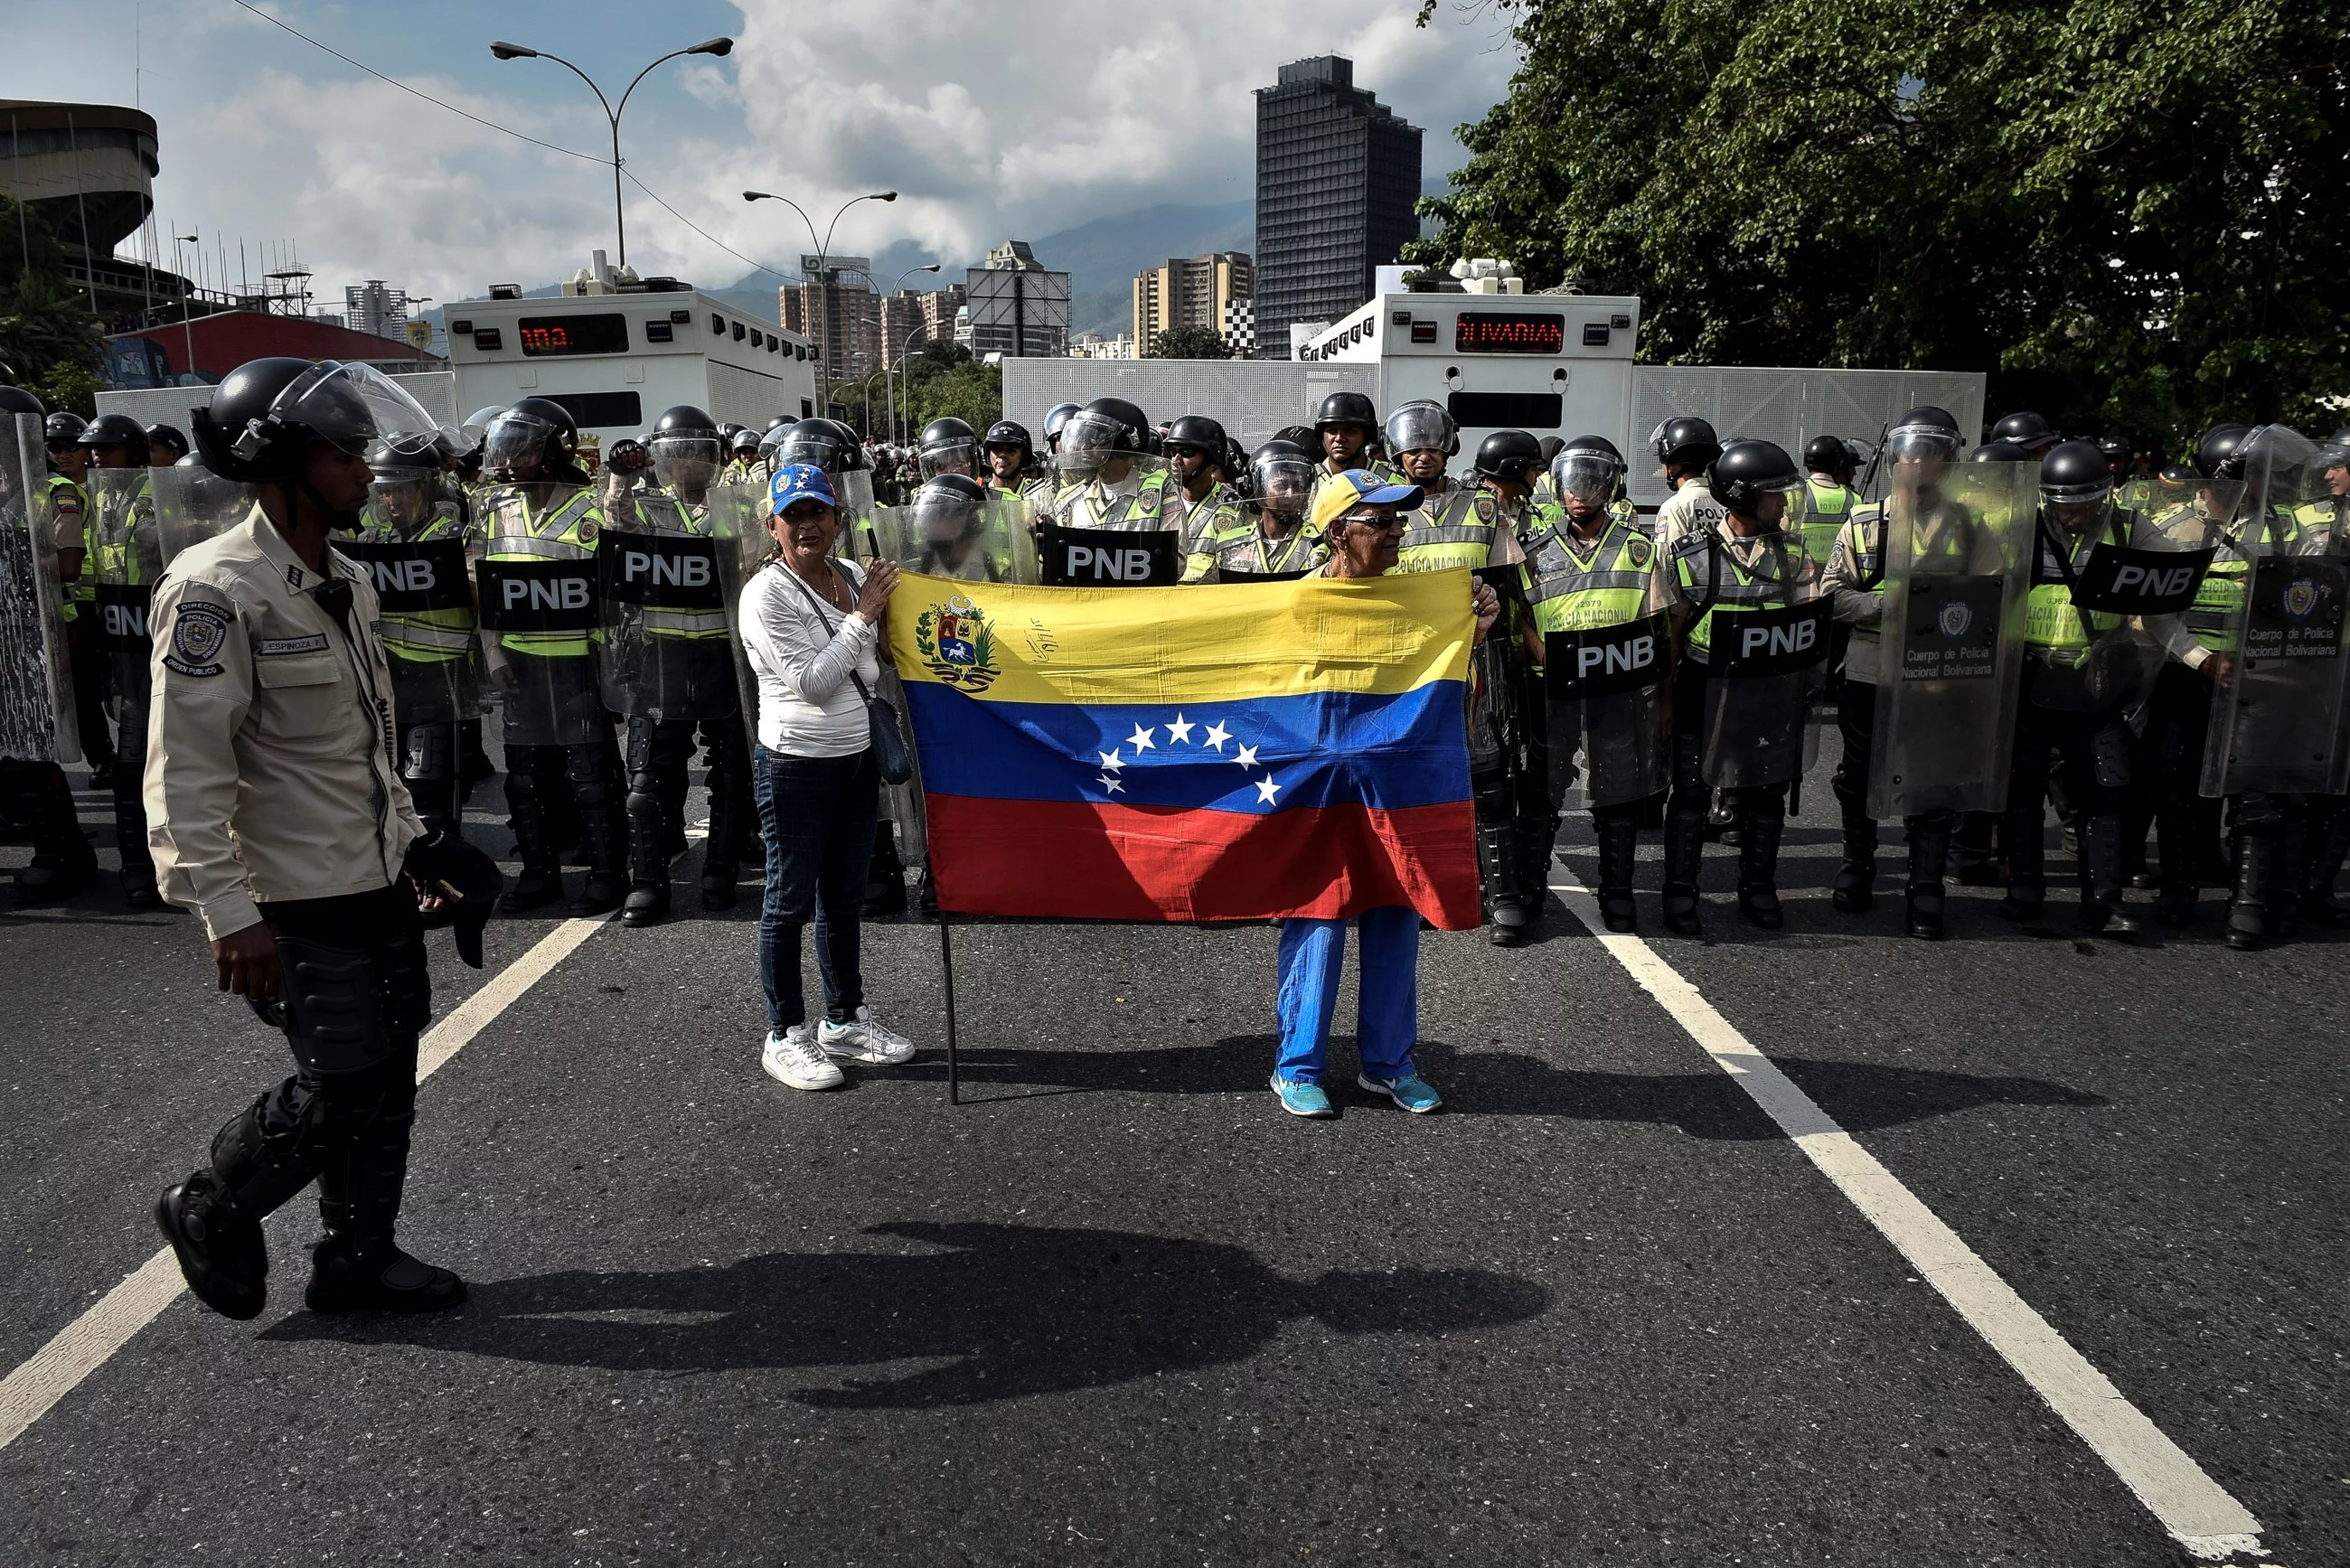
column 428, row 98
column 697, row 228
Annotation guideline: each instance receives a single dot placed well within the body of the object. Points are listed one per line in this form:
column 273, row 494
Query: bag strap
column 829, row 630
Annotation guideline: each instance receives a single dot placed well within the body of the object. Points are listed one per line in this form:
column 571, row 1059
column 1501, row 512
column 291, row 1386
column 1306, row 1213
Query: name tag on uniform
column 280, row 647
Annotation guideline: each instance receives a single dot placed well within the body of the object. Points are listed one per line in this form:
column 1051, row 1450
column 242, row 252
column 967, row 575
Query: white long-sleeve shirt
column 808, row 706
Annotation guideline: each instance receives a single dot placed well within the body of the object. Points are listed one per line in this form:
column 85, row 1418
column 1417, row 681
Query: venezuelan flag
column 1193, row 753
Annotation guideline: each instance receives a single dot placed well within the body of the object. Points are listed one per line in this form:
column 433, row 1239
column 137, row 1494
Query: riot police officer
column 1827, row 496
column 742, row 456
column 1685, row 446
column 1194, row 448
column 281, row 821
column 127, row 558
column 1109, row 479
column 1345, row 426
column 1506, row 465
column 65, row 496
column 1742, row 709
column 1275, row 543
column 948, row 445
column 412, row 536
column 1454, row 524
column 560, row 752
column 1594, row 595
column 2027, row 430
column 33, row 787
column 1055, row 417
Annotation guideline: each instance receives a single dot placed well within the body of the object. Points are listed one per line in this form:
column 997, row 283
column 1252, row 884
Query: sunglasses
column 1389, row 524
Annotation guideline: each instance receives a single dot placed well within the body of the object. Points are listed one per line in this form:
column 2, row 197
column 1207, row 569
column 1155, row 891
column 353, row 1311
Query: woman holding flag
column 1362, row 518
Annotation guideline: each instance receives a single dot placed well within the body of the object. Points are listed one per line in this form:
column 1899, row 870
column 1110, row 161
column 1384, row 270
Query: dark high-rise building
column 1337, row 174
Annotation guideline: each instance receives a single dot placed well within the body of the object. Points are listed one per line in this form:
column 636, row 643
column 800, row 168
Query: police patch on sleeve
column 199, row 631
column 1639, row 550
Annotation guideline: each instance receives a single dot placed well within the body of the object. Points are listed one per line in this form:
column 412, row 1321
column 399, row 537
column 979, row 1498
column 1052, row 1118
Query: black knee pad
column 346, row 1008
column 429, row 753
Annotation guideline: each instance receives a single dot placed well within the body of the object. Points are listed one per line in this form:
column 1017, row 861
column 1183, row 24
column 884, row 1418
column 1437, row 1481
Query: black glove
column 466, row 879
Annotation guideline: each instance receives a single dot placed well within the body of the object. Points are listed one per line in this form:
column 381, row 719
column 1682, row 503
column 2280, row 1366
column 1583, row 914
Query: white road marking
column 2197, row 1510
column 85, row 1345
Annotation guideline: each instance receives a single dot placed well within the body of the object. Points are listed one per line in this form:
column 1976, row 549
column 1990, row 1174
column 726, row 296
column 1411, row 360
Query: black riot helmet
column 2116, row 447
column 1347, row 409
column 166, row 444
column 1999, row 451
column 1925, row 432
column 1510, row 456
column 1685, row 442
column 2074, row 472
column 827, row 444
column 117, row 429
column 1587, row 468
column 2331, row 452
column 744, row 443
column 15, row 400
column 535, row 429
column 63, row 428
column 684, row 448
column 1011, row 434
column 1828, row 454
column 2217, row 453
column 949, row 508
column 2026, row 430
column 1423, row 425
column 1104, row 429
column 1054, row 418
column 1747, row 471
column 1197, row 430
column 266, row 415
column 948, row 445
column 1281, row 474
column 684, row 420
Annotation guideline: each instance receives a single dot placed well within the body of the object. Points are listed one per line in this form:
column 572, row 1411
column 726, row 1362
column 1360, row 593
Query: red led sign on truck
column 599, row 333
column 1508, row 332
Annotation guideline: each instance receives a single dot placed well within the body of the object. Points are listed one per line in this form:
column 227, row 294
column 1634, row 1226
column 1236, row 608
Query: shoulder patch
column 199, row 631
column 1692, row 542
column 588, row 530
column 1639, row 551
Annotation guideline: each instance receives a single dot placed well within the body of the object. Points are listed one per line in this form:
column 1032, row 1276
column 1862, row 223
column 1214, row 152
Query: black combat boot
column 138, row 874
column 648, row 901
column 1619, row 848
column 541, row 881
column 1684, row 859
column 1856, row 878
column 1930, row 855
column 356, row 1266
column 1758, row 868
column 2248, row 900
column 212, row 1220
column 604, row 818
column 2100, row 877
column 63, row 863
column 1500, row 861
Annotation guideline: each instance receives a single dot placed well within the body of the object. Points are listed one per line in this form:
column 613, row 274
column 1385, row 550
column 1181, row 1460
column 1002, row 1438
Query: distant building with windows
column 1015, row 306
column 1337, row 173
column 1193, row 291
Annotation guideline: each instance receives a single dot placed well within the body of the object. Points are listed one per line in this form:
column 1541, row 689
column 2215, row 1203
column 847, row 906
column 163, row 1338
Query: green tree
column 943, row 381
column 2125, row 210
column 1188, row 343
column 46, row 334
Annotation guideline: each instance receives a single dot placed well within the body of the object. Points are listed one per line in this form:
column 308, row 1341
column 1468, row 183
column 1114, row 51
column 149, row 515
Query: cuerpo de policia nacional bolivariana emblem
column 957, row 645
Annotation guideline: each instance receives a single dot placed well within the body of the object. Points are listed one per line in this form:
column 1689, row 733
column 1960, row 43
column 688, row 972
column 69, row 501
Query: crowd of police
column 2155, row 650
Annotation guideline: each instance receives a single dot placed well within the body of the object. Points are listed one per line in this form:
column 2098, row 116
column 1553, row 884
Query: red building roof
column 229, row 339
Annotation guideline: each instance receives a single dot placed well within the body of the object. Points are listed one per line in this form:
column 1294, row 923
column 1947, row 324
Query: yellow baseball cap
column 1357, row 487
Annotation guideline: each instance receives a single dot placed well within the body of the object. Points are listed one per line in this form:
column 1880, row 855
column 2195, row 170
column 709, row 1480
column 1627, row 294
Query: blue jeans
column 818, row 814
column 1387, row 1005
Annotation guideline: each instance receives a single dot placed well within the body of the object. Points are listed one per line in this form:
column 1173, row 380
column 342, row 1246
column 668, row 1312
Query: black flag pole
column 946, row 967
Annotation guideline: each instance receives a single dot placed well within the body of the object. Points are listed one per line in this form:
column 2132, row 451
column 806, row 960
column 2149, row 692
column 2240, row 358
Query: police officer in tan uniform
column 277, row 816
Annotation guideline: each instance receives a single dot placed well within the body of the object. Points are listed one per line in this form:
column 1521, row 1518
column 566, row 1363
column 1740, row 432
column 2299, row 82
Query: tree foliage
column 941, row 380
column 46, row 334
column 1188, row 343
column 2126, row 210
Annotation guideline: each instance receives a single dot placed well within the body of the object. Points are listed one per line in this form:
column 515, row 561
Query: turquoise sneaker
column 1303, row 1100
column 1411, row 1091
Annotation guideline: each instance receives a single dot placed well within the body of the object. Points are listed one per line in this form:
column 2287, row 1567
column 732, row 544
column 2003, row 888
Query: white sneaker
column 864, row 1039
column 793, row 1058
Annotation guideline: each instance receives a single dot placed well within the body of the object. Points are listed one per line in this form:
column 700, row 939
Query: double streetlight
column 823, row 247
column 506, row 51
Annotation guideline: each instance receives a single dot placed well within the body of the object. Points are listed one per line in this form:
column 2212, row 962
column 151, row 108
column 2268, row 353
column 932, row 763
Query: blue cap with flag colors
column 799, row 482
column 1357, row 487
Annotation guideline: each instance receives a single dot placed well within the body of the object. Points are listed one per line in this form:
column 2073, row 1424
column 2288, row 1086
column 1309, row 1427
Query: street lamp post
column 506, row 51
column 897, row 426
column 187, row 328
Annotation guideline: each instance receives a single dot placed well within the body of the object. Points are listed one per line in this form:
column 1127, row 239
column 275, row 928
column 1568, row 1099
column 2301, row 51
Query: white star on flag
column 1139, row 740
column 1110, row 760
column 1180, row 730
column 1110, row 784
column 1215, row 738
column 1265, row 790
column 1247, row 758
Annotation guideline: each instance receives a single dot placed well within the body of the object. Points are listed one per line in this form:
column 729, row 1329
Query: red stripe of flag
column 1080, row 860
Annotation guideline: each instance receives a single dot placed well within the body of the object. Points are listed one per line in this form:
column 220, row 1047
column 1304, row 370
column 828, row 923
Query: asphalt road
column 1117, row 1309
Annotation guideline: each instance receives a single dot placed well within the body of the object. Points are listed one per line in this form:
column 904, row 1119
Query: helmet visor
column 691, row 461
column 1921, row 442
column 1282, row 483
column 1420, row 427
column 818, row 449
column 402, row 495
column 956, row 456
column 1585, row 475
column 1090, row 440
column 2078, row 493
column 353, row 406
column 942, row 517
column 515, row 440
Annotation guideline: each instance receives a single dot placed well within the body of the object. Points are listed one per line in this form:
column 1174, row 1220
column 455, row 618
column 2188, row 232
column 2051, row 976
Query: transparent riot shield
column 2277, row 719
column 1605, row 689
column 36, row 708
column 1765, row 669
column 414, row 548
column 992, row 545
column 2126, row 578
column 738, row 527
column 667, row 650
column 192, row 504
column 129, row 559
column 1957, row 557
column 535, row 586
column 1119, row 491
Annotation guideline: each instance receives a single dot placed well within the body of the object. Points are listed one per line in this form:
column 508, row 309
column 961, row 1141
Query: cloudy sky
column 1014, row 117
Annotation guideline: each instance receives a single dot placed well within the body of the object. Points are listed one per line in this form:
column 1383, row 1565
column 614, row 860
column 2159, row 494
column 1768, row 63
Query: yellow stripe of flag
column 1008, row 643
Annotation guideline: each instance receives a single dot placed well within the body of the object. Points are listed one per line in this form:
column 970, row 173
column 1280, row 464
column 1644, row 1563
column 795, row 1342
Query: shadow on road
column 1011, row 1310
column 1860, row 1095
